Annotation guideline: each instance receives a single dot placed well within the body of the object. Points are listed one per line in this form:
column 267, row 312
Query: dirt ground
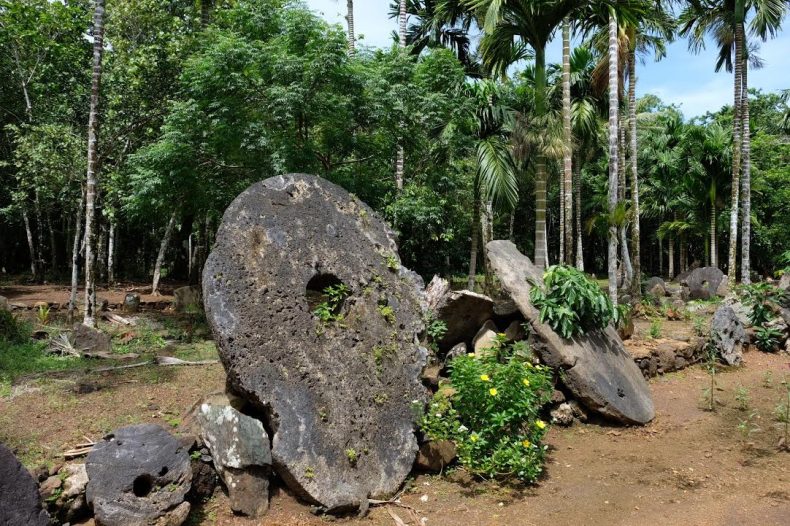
column 58, row 294
column 689, row 466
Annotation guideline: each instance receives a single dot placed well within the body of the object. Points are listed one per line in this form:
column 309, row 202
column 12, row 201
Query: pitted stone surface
column 338, row 396
column 728, row 335
column 20, row 502
column 138, row 476
column 597, row 369
column 702, row 283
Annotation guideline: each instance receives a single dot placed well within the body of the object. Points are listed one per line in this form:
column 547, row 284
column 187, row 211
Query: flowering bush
column 491, row 412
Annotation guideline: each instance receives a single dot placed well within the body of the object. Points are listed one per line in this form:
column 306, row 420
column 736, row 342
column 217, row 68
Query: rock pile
column 334, row 372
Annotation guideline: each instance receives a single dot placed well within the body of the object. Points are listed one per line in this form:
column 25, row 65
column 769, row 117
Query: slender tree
column 92, row 175
column 401, row 154
column 614, row 83
column 350, row 20
column 567, row 160
column 160, row 258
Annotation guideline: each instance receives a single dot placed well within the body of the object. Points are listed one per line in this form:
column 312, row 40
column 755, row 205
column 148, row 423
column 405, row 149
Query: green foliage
column 767, row 339
column 493, row 415
column 655, row 329
column 435, row 330
column 762, row 297
column 329, row 310
column 572, row 303
column 17, row 359
column 388, row 313
column 742, row 398
column 352, row 456
column 11, row 329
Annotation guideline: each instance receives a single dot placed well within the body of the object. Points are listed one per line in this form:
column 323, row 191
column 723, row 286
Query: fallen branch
column 120, row 320
column 80, row 449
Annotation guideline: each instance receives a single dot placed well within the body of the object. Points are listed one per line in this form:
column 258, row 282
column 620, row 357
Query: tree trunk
column 635, row 230
column 53, row 250
column 111, row 256
column 660, row 257
column 93, row 157
column 30, row 244
column 75, row 258
column 567, row 202
column 401, row 155
column 39, row 235
column 736, row 157
column 160, row 258
column 470, row 283
column 101, row 252
column 541, row 255
column 746, row 179
column 671, row 258
column 578, row 190
column 350, row 21
column 613, row 153
column 628, row 270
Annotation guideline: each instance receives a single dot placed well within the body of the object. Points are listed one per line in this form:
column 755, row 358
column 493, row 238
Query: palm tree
column 350, row 22
column 489, row 119
column 566, row 193
column 400, row 161
column 724, row 20
column 92, row 178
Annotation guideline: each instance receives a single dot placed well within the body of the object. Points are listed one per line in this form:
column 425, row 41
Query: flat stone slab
column 596, row 367
column 20, row 502
column 138, row 475
column 337, row 395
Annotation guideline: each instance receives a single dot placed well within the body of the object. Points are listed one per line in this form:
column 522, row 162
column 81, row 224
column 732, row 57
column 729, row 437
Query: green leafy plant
column 352, row 456
column 655, row 329
column 11, row 329
column 767, row 339
column 762, row 298
column 435, row 330
column 42, row 315
column 572, row 303
column 387, row 313
column 700, row 326
column 742, row 398
column 392, row 262
column 329, row 310
column 492, row 414
column 748, row 425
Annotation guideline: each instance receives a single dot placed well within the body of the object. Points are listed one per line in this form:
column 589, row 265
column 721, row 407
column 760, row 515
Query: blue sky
column 681, row 78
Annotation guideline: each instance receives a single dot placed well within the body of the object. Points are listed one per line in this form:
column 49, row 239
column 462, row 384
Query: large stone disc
column 338, row 395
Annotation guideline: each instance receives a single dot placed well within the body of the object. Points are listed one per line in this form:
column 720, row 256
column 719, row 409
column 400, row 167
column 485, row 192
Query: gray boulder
column 728, row 335
column 485, row 338
column 138, row 476
column 597, row 369
column 656, row 287
column 20, row 502
column 131, row 302
column 702, row 283
column 337, row 393
column 186, row 299
column 242, row 456
column 784, row 281
column 464, row 312
column 90, row 341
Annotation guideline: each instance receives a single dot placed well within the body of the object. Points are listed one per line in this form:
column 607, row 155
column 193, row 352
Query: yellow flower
column 525, row 382
column 526, row 443
column 484, row 377
column 471, row 355
column 492, row 391
column 541, row 424
column 473, row 438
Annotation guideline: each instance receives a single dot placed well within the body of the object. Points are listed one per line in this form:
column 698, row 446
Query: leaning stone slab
column 20, row 502
column 242, row 456
column 728, row 335
column 596, row 367
column 702, row 283
column 337, row 395
column 138, row 476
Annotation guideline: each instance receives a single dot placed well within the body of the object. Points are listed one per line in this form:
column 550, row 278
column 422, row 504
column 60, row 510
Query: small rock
column 187, row 298
column 90, row 340
column 435, row 455
column 578, row 411
column 557, row 397
column 76, row 480
column 459, row 350
column 204, row 481
column 131, row 302
column 515, row 331
column 430, row 375
column 485, row 338
column 562, row 415
column 49, row 486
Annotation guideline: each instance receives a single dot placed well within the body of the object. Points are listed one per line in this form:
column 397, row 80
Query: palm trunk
column 160, row 258
column 567, row 201
column 714, row 262
column 635, row 231
column 53, row 248
column 736, row 157
column 401, row 155
column 111, row 255
column 671, row 258
column 660, row 256
column 30, row 244
column 578, row 190
column 746, row 179
column 470, row 283
column 541, row 255
column 628, row 270
column 350, row 21
column 613, row 154
column 92, row 178
column 75, row 258
column 206, row 6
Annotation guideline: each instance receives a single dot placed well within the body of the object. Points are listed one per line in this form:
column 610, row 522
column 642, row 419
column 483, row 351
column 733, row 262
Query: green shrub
column 492, row 415
column 329, row 310
column 655, row 329
column 11, row 329
column 767, row 339
column 761, row 297
column 572, row 303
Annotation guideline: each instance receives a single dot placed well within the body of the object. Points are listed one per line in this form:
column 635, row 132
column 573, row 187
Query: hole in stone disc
column 142, row 485
column 163, row 471
column 316, row 294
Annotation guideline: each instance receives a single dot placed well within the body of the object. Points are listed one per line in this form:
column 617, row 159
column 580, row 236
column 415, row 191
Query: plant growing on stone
column 572, row 303
column 435, row 330
column 387, row 313
column 767, row 339
column 492, row 414
column 352, row 456
column 392, row 262
column 762, row 298
column 329, row 310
